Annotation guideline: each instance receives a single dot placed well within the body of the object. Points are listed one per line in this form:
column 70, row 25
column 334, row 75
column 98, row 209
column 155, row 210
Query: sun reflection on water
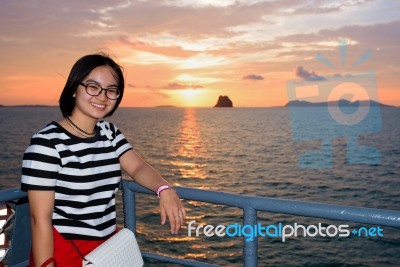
column 189, row 147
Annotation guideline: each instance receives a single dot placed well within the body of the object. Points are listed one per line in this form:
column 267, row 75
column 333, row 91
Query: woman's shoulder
column 46, row 136
column 48, row 130
column 108, row 129
column 106, row 125
column 103, row 122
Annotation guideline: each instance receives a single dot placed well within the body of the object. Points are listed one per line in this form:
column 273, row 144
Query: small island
column 339, row 103
column 224, row 102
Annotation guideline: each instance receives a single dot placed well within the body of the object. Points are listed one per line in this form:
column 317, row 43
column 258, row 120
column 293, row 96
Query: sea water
column 247, row 151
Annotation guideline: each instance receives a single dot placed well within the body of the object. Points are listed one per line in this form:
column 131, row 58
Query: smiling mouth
column 98, row 105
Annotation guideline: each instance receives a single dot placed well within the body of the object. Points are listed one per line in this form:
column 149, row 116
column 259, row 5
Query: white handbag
column 120, row 250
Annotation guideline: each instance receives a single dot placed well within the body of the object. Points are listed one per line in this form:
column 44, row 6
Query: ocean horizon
column 293, row 102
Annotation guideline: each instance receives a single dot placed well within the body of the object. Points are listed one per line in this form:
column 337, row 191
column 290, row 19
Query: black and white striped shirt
column 83, row 172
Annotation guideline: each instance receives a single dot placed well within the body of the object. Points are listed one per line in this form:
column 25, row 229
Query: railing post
column 250, row 248
column 129, row 206
column 21, row 235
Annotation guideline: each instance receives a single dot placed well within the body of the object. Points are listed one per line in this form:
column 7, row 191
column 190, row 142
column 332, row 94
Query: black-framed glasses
column 95, row 89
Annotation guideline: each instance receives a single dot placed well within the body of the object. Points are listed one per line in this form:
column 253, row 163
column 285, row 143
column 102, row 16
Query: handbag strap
column 123, row 209
column 110, row 134
column 78, row 250
column 123, row 199
column 110, row 137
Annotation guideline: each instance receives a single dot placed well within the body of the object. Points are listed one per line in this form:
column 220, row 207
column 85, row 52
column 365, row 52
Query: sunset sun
column 190, row 93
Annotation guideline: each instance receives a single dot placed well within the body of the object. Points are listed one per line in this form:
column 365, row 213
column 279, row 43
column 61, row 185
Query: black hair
column 80, row 71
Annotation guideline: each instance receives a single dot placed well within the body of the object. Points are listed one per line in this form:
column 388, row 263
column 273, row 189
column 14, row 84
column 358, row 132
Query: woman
column 72, row 169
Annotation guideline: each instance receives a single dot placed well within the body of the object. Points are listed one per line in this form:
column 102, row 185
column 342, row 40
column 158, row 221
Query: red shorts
column 65, row 254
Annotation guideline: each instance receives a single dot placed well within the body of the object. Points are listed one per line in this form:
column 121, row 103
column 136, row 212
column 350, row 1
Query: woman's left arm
column 147, row 176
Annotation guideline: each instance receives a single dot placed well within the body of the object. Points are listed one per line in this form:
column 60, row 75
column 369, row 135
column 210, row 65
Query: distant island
column 29, row 106
column 224, row 102
column 340, row 103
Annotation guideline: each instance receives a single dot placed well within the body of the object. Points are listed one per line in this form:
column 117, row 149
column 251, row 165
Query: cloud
column 154, row 48
column 214, row 41
column 308, row 75
column 191, row 20
column 361, row 38
column 181, row 86
column 254, row 77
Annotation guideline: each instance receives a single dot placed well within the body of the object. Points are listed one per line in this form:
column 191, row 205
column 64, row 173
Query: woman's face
column 96, row 107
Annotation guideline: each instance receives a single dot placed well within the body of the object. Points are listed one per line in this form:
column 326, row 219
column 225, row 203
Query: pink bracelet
column 162, row 188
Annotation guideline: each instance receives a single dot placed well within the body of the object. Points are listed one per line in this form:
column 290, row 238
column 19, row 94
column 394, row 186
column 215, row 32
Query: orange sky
column 187, row 53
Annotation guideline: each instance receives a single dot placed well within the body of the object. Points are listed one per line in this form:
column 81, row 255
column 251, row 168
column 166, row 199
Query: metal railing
column 251, row 204
column 20, row 245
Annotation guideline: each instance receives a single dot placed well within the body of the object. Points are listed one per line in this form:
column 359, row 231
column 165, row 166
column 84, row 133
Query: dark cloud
column 181, row 86
column 320, row 7
column 130, row 85
column 254, row 77
column 341, row 76
column 308, row 75
column 382, row 38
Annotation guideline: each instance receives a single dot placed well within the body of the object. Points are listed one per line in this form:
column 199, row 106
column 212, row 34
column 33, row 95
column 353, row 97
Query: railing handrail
column 250, row 206
column 11, row 194
column 356, row 214
column 383, row 217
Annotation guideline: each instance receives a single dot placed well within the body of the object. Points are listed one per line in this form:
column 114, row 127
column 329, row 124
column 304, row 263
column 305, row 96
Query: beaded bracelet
column 47, row 262
column 162, row 188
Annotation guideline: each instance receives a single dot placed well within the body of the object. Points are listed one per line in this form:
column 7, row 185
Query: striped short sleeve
column 117, row 138
column 40, row 164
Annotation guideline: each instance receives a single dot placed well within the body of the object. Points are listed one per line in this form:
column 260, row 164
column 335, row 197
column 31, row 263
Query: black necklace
column 76, row 126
